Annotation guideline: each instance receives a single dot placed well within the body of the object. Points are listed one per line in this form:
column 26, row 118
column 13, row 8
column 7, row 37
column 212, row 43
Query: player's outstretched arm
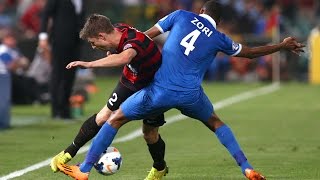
column 288, row 43
column 112, row 60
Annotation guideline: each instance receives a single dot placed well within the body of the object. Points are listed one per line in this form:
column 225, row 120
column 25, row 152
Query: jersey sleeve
column 166, row 23
column 134, row 44
column 228, row 46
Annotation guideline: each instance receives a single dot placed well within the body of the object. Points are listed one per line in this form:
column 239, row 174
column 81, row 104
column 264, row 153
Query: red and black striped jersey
column 142, row 68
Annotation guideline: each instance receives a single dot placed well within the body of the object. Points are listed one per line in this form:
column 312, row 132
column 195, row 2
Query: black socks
column 87, row 131
column 90, row 128
column 157, row 151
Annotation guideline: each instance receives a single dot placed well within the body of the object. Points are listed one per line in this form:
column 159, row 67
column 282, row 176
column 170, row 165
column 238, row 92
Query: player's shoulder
column 220, row 35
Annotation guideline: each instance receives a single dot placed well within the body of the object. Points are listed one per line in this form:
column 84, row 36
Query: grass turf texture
column 279, row 133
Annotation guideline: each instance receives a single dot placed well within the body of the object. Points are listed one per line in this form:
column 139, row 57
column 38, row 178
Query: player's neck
column 115, row 38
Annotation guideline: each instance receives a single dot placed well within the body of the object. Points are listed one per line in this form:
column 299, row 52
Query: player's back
column 190, row 48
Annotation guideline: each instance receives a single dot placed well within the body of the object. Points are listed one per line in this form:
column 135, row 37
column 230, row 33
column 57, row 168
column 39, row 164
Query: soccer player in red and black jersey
column 141, row 59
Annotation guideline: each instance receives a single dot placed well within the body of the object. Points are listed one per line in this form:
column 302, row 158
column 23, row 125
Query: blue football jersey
column 190, row 48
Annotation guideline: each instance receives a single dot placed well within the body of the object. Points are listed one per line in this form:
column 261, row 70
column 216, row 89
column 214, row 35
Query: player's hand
column 291, row 44
column 81, row 64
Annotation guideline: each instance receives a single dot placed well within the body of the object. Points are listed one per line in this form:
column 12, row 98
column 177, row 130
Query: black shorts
column 120, row 94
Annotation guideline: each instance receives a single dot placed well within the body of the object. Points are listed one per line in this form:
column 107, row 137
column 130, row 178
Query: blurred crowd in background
column 255, row 17
column 251, row 22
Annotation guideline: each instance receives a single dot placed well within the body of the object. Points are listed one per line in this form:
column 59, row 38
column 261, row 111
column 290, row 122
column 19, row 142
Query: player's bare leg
column 226, row 137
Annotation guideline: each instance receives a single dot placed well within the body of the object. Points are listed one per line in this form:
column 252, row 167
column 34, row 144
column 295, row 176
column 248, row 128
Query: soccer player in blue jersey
column 191, row 46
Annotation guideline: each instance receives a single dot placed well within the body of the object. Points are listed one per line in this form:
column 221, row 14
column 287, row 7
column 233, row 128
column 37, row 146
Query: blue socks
column 100, row 143
column 226, row 137
column 107, row 133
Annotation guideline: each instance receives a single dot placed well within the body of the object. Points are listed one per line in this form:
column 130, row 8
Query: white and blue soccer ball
column 110, row 162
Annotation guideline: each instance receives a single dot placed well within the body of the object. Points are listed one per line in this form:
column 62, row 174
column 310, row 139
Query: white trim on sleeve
column 159, row 27
column 238, row 51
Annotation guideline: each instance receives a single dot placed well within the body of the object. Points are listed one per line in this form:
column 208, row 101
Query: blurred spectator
column 197, row 5
column 308, row 7
column 31, row 18
column 255, row 21
column 288, row 8
column 6, row 21
column 186, row 4
column 264, row 68
column 241, row 70
column 22, row 6
column 67, row 19
column 219, row 68
column 260, row 19
column 40, row 71
column 272, row 22
column 24, row 89
column 166, row 7
column 10, row 55
column 5, row 91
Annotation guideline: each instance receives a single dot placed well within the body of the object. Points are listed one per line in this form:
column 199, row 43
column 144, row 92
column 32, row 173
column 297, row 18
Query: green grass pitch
column 279, row 133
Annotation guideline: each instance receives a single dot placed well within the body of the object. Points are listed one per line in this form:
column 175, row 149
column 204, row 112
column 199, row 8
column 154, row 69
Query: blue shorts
column 154, row 100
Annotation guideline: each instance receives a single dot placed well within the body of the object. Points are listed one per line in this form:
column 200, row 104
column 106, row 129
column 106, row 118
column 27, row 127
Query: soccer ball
column 110, row 162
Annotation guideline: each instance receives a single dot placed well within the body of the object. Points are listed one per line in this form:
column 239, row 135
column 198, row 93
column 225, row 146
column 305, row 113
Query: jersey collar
column 122, row 39
column 214, row 24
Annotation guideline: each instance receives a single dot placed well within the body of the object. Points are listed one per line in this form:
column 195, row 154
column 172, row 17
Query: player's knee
column 102, row 117
column 214, row 122
column 117, row 119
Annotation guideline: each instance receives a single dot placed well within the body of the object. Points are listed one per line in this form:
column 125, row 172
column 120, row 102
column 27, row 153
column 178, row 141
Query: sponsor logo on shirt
column 127, row 46
column 235, row 46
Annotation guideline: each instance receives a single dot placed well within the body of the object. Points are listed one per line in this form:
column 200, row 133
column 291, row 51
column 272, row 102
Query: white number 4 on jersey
column 189, row 45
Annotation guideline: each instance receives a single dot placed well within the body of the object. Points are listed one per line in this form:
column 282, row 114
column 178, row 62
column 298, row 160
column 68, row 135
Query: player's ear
column 202, row 11
column 101, row 36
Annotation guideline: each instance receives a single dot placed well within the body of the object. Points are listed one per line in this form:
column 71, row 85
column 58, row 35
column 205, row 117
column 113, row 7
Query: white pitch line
column 136, row 133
